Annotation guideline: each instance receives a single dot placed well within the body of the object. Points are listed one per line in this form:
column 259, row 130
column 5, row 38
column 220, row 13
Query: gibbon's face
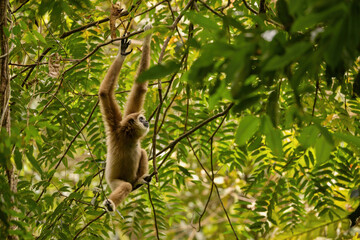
column 144, row 125
column 135, row 125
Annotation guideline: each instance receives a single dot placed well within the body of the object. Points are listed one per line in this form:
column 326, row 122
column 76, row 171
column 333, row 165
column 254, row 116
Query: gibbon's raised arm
column 109, row 108
column 136, row 98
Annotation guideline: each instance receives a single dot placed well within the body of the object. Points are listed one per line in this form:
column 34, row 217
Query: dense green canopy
column 253, row 108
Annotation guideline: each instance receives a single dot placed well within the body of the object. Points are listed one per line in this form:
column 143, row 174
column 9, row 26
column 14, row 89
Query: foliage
column 258, row 131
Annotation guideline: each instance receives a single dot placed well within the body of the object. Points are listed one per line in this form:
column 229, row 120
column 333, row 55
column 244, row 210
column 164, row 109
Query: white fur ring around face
column 109, row 205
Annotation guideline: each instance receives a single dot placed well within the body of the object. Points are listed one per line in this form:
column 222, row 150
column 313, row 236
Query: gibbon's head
column 135, row 125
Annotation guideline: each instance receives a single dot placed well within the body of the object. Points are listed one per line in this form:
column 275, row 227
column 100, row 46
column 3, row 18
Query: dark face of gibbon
column 135, row 125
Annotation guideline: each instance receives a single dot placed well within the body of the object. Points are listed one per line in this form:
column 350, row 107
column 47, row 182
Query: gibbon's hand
column 125, row 43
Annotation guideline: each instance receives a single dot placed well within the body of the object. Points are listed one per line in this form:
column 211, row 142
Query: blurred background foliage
column 258, row 125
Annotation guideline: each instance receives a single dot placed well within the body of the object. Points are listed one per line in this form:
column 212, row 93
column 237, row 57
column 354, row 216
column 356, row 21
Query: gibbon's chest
column 124, row 160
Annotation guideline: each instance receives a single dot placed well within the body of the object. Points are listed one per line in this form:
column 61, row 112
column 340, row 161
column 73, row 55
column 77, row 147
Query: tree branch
column 88, row 224
column 153, row 208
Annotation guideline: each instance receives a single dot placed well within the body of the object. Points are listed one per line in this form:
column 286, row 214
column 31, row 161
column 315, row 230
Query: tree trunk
column 5, row 91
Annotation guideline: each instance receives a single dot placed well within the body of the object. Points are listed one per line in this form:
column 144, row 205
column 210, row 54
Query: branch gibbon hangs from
column 126, row 161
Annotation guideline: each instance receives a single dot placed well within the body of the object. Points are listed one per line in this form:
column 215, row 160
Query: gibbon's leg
column 136, row 98
column 109, row 108
column 120, row 190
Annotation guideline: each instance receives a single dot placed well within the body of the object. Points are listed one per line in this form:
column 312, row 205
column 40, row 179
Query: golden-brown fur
column 126, row 162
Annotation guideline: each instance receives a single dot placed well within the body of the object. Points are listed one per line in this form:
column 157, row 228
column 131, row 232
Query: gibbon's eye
column 141, row 118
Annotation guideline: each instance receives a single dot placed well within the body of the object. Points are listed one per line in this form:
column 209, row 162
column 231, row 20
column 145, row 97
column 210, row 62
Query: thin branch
column 165, row 112
column 161, row 100
column 211, row 10
column 18, row 8
column 32, row 67
column 88, row 224
column 203, row 123
column 212, row 183
column 217, row 129
column 27, row 65
column 66, row 34
column 3, row 56
column 177, row 20
column 153, row 208
column 316, row 96
column 262, row 8
column 151, row 8
column 248, row 7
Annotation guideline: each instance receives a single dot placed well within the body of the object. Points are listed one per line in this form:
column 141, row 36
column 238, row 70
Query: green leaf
column 185, row 171
column 322, row 150
column 309, row 20
column 247, row 128
column 292, row 53
column 159, row 71
column 273, row 137
column 350, row 139
column 309, row 136
column 39, row 37
column 205, row 22
column 32, row 160
column 18, row 159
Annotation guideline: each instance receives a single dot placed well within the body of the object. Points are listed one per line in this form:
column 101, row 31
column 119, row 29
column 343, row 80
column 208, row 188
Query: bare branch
column 88, row 224
column 248, row 7
column 18, row 8
column 203, row 123
column 153, row 208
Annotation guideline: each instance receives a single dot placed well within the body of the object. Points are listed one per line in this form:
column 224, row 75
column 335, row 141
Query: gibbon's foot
column 109, row 205
column 125, row 43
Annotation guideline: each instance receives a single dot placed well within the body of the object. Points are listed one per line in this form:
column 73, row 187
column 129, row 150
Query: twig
column 203, row 123
column 211, row 10
column 177, row 20
column 3, row 56
column 262, row 8
column 158, row 110
column 66, row 34
column 88, row 224
column 316, row 96
column 151, row 8
column 212, row 183
column 248, row 7
column 217, row 129
column 32, row 67
column 165, row 112
column 27, row 65
column 18, row 8
column 217, row 190
column 153, row 208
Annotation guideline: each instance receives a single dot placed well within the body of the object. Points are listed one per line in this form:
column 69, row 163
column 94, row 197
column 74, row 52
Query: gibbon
column 126, row 161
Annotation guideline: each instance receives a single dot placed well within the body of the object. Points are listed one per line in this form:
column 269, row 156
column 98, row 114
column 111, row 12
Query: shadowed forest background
column 253, row 108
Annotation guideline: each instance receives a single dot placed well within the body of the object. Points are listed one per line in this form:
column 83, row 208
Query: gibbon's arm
column 136, row 98
column 109, row 108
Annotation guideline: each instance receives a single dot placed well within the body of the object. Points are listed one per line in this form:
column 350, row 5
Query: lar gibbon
column 126, row 161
